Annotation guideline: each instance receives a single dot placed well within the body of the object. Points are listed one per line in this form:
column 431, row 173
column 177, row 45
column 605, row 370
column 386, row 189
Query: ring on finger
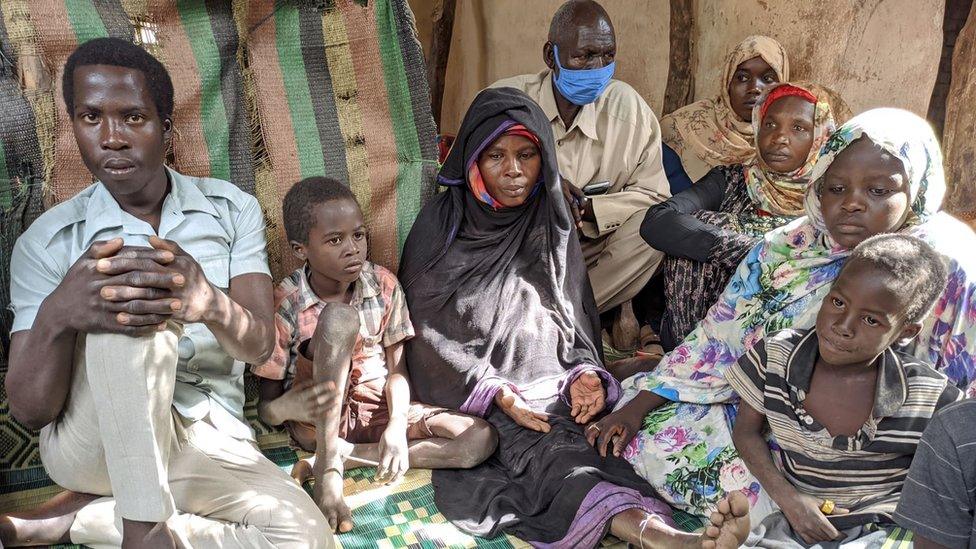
column 595, row 426
column 827, row 507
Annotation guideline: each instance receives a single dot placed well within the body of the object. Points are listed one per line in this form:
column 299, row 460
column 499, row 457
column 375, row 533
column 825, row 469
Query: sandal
column 650, row 343
column 625, row 331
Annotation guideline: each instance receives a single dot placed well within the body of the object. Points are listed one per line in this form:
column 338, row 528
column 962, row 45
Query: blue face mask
column 583, row 86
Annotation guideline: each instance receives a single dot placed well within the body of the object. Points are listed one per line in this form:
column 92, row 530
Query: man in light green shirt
column 136, row 304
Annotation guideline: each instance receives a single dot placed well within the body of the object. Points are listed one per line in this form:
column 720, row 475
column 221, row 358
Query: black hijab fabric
column 505, row 294
column 501, row 293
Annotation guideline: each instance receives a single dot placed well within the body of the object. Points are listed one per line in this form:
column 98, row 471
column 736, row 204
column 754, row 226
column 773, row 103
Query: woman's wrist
column 502, row 392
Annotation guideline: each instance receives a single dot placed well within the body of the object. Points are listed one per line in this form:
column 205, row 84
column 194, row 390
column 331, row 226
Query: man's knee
column 290, row 521
column 158, row 349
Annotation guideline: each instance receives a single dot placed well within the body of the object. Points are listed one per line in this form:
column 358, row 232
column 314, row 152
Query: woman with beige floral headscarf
column 718, row 132
column 707, row 229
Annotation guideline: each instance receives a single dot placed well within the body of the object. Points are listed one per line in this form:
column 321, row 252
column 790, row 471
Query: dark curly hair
column 909, row 265
column 303, row 197
column 120, row 53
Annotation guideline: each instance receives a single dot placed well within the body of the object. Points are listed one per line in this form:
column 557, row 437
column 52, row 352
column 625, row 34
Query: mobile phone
column 596, row 188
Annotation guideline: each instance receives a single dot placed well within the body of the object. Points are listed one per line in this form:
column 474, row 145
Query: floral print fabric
column 701, row 283
column 780, row 284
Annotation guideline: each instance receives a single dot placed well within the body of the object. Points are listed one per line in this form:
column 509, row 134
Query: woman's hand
column 516, row 408
column 615, row 431
column 586, row 396
column 808, row 521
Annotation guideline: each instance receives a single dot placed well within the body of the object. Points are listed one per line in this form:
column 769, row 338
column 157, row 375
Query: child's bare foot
column 729, row 526
column 48, row 524
column 327, row 494
column 302, row 470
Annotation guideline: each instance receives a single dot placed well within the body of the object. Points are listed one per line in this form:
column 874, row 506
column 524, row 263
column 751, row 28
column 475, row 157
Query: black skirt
column 533, row 485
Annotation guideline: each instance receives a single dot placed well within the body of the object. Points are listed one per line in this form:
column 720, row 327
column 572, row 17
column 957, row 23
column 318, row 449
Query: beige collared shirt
column 617, row 138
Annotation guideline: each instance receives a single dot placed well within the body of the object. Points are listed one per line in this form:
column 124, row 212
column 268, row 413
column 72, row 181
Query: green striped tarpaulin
column 340, row 92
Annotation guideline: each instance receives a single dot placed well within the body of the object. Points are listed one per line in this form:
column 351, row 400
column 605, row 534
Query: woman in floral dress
column 675, row 422
column 708, row 229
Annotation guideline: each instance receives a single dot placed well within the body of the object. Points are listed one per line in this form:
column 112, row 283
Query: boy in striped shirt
column 844, row 406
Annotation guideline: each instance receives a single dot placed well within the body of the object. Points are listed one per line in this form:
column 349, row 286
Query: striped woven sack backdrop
column 340, row 91
column 198, row 43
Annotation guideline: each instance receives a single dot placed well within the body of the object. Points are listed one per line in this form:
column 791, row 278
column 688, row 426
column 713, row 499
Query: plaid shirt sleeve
column 397, row 322
column 277, row 366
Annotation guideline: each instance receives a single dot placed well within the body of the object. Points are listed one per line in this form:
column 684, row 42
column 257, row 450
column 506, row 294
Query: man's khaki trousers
column 119, row 436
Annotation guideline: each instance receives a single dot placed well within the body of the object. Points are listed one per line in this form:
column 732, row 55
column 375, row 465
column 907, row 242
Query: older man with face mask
column 608, row 147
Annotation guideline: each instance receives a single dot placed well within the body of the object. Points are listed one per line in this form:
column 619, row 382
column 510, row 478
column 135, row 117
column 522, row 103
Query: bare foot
column 150, row 535
column 302, row 470
column 48, row 524
column 729, row 526
column 327, row 494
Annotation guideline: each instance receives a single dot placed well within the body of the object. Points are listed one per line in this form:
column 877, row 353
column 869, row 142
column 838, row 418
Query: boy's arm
column 397, row 384
column 802, row 511
column 394, row 460
column 753, row 449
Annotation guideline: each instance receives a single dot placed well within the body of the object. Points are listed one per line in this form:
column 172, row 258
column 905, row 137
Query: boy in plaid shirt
column 341, row 322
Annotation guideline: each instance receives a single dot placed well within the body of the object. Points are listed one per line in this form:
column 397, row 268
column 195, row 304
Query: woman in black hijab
column 507, row 330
